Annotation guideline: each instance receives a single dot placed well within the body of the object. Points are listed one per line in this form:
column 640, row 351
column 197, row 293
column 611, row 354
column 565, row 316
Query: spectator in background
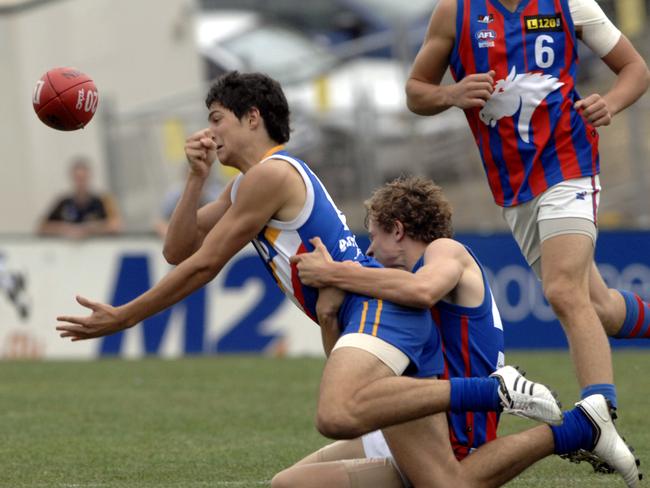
column 82, row 213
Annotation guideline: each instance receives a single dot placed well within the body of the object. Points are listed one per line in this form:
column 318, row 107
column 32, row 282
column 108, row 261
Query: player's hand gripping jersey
column 529, row 135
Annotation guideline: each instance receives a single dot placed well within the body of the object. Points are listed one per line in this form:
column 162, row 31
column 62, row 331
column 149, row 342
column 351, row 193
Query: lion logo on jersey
column 524, row 91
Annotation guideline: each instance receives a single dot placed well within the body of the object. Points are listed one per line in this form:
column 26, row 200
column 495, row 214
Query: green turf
column 218, row 422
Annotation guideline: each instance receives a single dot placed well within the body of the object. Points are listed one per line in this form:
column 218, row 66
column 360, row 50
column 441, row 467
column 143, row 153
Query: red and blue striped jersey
column 528, row 133
column 280, row 240
column 472, row 346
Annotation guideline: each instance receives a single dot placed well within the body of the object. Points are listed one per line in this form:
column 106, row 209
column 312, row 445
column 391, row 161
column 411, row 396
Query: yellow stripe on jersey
column 363, row 317
column 273, row 150
column 271, row 235
column 375, row 326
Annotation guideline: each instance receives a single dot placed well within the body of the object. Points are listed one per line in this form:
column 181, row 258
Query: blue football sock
column 637, row 317
column 475, row 395
column 576, row 432
column 605, row 389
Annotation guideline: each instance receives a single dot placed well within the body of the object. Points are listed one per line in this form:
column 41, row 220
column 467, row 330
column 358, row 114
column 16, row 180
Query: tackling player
column 409, row 222
column 410, row 227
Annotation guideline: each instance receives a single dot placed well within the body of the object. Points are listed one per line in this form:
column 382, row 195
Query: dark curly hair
column 418, row 203
column 240, row 92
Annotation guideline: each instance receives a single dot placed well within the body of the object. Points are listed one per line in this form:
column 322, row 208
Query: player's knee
column 336, row 427
column 335, row 421
column 564, row 296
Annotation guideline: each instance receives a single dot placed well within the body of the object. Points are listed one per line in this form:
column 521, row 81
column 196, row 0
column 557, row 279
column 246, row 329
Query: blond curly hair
column 417, row 202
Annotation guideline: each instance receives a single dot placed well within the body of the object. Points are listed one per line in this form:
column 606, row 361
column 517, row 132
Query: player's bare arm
column 327, row 309
column 193, row 225
column 327, row 312
column 189, row 225
column 262, row 194
column 632, row 80
column 444, row 266
column 424, row 93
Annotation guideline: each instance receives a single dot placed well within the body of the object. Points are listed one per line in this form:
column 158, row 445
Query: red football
column 65, row 99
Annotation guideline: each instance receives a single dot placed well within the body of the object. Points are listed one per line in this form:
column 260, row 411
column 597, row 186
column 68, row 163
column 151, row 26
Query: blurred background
column 343, row 64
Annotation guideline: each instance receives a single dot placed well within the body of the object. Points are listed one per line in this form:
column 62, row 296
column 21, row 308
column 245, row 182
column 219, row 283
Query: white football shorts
column 570, row 207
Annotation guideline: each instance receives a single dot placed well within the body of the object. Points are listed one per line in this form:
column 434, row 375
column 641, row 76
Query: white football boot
column 609, row 446
column 525, row 398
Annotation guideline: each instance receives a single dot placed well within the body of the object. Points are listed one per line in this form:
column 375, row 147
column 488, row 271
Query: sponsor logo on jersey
column 486, row 19
column 485, row 37
column 543, row 23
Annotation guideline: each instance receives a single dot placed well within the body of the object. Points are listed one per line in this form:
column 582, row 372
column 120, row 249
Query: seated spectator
column 82, row 213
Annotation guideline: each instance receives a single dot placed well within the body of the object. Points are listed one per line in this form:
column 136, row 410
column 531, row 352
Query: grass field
column 221, row 422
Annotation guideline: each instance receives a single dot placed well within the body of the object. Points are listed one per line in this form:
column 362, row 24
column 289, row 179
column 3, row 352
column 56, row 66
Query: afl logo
column 486, row 35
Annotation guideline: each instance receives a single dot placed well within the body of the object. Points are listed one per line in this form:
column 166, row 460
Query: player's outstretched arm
column 425, row 95
column 439, row 276
column 261, row 194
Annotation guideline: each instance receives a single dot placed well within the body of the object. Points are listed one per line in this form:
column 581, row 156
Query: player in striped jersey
column 514, row 63
column 409, row 222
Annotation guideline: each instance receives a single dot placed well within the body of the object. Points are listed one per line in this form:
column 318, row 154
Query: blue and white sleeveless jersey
column 319, row 217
